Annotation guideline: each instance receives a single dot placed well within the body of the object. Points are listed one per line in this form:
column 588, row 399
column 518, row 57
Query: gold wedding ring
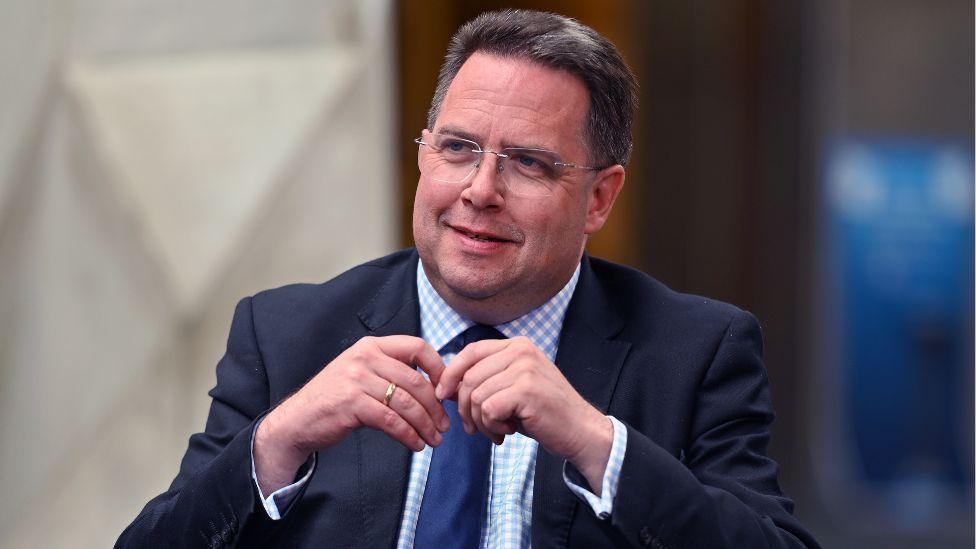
column 389, row 393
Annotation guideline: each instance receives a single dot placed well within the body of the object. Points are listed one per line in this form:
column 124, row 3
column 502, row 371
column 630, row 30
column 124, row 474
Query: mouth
column 482, row 242
column 480, row 235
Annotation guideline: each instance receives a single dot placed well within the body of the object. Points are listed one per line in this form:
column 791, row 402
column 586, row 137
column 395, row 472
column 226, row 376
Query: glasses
column 525, row 172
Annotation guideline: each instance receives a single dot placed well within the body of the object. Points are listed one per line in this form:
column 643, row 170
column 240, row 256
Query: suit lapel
column 384, row 463
column 591, row 361
column 587, row 355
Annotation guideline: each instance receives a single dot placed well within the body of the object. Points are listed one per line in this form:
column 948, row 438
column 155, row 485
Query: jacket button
column 645, row 536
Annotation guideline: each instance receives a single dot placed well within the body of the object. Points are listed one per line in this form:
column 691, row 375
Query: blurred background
column 809, row 161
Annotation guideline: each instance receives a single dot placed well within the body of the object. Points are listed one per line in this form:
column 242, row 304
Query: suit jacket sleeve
column 213, row 498
column 723, row 493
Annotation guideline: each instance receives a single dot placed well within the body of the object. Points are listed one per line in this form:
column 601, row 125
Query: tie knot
column 480, row 332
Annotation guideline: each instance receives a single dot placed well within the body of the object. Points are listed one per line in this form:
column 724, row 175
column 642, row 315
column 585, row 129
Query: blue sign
column 900, row 249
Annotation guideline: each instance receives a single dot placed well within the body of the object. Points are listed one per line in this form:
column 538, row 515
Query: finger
column 487, row 367
column 404, row 404
column 374, row 414
column 500, row 413
column 491, row 365
column 479, row 425
column 464, row 408
column 496, row 431
column 411, row 381
column 412, row 350
column 468, row 357
column 493, row 428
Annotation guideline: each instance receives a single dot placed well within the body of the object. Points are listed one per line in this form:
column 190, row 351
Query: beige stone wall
column 158, row 161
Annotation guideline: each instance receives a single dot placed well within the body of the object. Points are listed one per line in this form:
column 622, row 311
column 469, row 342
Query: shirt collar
column 440, row 324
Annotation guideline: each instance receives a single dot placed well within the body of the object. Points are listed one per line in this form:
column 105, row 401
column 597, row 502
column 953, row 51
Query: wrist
column 272, row 440
column 593, row 456
column 276, row 459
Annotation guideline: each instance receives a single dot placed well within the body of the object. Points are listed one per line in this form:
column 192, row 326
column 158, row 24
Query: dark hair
column 558, row 42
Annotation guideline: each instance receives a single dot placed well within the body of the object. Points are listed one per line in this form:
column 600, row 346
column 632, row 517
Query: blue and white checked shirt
column 508, row 519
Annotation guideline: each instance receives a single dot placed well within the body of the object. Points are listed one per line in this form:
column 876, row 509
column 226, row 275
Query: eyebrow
column 457, row 132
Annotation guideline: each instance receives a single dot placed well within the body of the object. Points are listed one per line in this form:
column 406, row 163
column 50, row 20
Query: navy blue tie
column 457, row 483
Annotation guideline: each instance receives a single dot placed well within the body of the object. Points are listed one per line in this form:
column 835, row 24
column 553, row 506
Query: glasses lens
column 530, row 172
column 449, row 159
column 525, row 172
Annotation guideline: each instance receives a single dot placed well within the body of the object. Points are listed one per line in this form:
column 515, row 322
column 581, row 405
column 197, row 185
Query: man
column 622, row 413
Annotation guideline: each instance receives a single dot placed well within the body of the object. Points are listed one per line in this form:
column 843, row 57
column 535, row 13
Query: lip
column 476, row 245
column 468, row 232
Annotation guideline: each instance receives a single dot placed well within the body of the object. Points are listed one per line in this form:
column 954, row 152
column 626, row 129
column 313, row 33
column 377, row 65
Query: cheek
column 558, row 230
column 432, row 196
column 560, row 219
column 430, row 201
column 422, row 205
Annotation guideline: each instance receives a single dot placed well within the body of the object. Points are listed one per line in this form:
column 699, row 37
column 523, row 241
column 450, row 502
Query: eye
column 453, row 145
column 453, row 149
column 530, row 164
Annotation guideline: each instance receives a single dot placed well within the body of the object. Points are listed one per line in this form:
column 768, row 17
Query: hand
column 508, row 385
column 348, row 394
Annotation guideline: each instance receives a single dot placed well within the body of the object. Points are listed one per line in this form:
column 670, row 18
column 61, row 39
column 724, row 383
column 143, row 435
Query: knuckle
column 490, row 411
column 418, row 347
column 391, row 419
column 355, row 373
column 415, row 380
column 523, row 387
column 348, row 422
column 403, row 401
column 525, row 369
column 525, row 347
column 358, row 353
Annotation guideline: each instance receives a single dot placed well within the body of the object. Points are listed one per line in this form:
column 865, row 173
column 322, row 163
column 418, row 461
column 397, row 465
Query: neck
column 498, row 308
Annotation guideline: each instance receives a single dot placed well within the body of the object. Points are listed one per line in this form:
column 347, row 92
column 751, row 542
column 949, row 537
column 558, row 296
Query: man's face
column 535, row 243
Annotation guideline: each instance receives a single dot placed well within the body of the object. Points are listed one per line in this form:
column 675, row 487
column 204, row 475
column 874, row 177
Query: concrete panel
column 178, row 158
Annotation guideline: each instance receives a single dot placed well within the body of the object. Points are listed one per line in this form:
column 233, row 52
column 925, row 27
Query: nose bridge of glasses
column 500, row 158
column 491, row 177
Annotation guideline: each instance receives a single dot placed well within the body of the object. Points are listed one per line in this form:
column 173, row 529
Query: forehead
column 515, row 102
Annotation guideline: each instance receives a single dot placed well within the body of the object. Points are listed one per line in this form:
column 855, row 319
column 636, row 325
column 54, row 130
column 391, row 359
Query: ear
column 601, row 196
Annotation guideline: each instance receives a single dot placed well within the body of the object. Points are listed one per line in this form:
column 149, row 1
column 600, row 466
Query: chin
column 470, row 283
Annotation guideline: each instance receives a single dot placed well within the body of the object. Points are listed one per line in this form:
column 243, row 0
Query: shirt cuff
column 602, row 505
column 280, row 500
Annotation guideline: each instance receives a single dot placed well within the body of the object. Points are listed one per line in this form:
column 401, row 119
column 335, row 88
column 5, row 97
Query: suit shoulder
column 345, row 291
column 644, row 302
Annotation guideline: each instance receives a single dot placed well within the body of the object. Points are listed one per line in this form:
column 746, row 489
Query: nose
column 486, row 189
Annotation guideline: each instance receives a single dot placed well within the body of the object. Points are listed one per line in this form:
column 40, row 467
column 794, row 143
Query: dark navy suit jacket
column 684, row 373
